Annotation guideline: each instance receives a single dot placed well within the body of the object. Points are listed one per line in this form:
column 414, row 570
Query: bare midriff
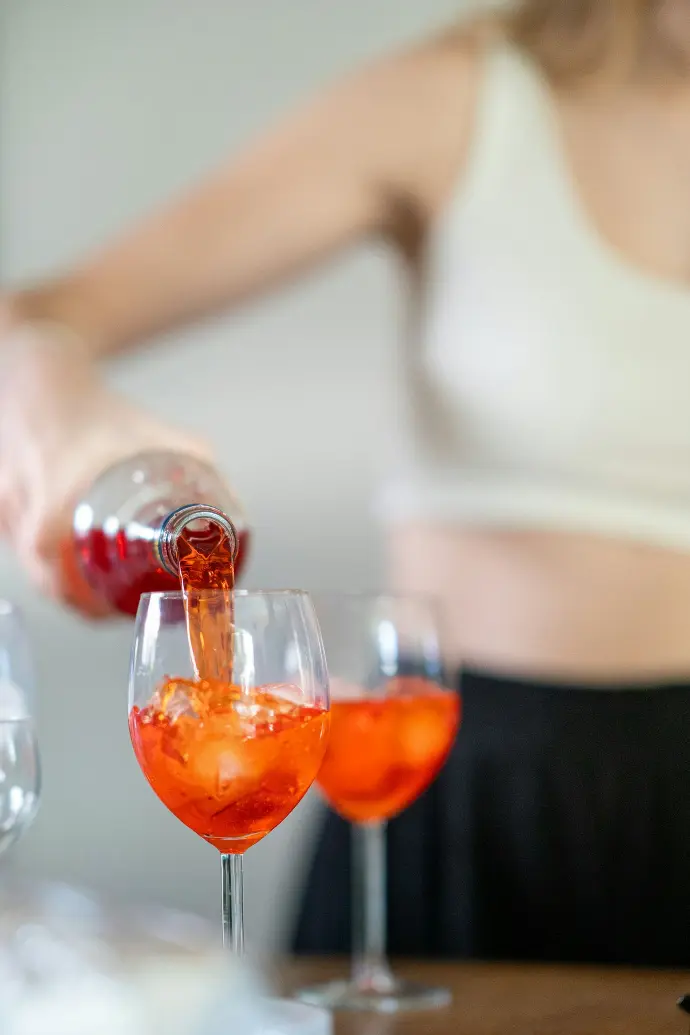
column 551, row 605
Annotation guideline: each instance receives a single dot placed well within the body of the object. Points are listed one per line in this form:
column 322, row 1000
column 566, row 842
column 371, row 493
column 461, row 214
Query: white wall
column 107, row 106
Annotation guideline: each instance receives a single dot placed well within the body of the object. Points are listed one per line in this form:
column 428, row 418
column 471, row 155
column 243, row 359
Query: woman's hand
column 60, row 426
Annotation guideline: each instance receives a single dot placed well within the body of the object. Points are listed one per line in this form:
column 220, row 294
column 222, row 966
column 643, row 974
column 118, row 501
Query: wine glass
column 230, row 759
column 20, row 770
column 393, row 723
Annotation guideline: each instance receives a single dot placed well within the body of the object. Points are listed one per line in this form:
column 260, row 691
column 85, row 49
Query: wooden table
column 510, row 999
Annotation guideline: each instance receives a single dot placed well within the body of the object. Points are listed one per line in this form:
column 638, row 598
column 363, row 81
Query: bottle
column 126, row 526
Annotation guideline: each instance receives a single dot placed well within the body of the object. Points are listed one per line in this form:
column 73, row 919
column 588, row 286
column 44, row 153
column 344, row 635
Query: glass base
column 396, row 997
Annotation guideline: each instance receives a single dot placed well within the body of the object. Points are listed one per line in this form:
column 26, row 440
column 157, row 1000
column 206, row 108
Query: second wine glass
column 230, row 758
column 393, row 723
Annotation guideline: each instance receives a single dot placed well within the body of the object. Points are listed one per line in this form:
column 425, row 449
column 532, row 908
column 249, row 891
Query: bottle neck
column 175, row 523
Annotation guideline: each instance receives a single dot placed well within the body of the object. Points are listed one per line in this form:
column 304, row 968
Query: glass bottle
column 124, row 532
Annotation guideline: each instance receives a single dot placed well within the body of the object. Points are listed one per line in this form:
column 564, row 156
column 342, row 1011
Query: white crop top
column 546, row 382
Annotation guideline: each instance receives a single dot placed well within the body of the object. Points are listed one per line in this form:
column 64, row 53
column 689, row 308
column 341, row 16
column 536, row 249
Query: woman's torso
column 546, row 494
column 580, row 608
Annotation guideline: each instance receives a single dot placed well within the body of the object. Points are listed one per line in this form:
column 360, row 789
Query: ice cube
column 249, row 710
column 283, row 696
column 213, row 763
column 179, row 700
column 261, row 706
column 231, row 767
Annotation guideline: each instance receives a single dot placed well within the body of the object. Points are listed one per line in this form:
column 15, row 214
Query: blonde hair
column 572, row 39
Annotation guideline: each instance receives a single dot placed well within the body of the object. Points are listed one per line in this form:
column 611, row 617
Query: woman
column 534, row 172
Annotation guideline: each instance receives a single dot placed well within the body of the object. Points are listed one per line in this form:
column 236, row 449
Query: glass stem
column 232, row 890
column 369, row 891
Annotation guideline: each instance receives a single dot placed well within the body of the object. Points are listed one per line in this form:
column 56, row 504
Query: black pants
column 558, row 830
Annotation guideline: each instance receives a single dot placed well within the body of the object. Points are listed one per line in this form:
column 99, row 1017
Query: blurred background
column 106, row 108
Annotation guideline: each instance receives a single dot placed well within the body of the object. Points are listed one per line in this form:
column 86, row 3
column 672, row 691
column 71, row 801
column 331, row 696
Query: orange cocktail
column 229, row 762
column 393, row 724
column 386, row 748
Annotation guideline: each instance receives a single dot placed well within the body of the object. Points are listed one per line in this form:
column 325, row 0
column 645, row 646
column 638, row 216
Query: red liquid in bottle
column 113, row 555
column 120, row 569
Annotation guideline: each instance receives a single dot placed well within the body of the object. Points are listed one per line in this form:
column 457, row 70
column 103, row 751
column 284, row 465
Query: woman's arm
column 377, row 155
column 370, row 155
